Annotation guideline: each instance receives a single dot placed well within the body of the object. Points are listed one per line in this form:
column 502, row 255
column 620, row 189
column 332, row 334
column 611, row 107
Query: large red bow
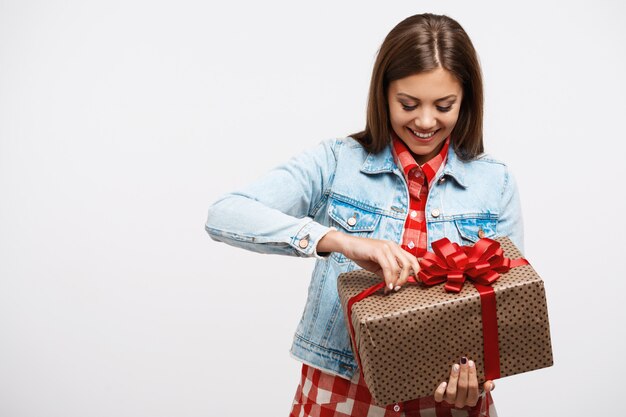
column 450, row 263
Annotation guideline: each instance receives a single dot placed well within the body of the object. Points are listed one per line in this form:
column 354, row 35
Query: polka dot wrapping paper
column 408, row 340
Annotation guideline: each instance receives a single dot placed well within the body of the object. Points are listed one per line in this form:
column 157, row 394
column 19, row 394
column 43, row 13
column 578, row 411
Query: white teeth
column 423, row 135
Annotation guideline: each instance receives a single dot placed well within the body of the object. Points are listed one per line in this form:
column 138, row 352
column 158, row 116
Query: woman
column 377, row 200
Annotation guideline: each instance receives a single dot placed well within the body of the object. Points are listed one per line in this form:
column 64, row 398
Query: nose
column 425, row 120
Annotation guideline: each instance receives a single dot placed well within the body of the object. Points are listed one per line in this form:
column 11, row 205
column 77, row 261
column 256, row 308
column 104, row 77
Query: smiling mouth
column 423, row 135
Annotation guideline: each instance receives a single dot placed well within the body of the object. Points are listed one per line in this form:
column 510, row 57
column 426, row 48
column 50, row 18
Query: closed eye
column 443, row 109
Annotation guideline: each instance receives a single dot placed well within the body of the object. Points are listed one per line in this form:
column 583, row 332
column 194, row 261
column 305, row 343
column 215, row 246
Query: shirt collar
column 406, row 162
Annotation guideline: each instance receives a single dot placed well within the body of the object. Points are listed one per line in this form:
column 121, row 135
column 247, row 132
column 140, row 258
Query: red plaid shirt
column 324, row 395
column 418, row 179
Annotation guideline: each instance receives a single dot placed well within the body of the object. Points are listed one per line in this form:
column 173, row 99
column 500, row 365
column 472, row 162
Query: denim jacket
column 289, row 209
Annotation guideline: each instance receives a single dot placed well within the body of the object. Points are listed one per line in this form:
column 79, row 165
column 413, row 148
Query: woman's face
column 424, row 109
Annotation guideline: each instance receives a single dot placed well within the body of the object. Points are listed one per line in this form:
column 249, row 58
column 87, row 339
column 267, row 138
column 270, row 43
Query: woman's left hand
column 462, row 388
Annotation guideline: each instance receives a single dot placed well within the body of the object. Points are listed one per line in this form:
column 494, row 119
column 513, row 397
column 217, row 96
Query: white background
column 121, row 121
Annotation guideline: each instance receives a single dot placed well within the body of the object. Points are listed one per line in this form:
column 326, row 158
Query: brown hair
column 422, row 43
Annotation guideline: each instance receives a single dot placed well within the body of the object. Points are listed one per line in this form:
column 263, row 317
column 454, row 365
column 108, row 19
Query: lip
column 422, row 140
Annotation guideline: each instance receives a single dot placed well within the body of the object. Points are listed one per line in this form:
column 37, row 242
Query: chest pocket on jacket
column 473, row 229
column 353, row 220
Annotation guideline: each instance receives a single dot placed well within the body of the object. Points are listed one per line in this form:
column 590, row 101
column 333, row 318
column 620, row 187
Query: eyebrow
column 417, row 99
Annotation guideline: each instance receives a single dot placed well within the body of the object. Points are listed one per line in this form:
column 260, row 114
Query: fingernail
column 397, row 288
column 390, row 286
column 443, row 385
column 463, row 360
column 471, row 364
column 455, row 367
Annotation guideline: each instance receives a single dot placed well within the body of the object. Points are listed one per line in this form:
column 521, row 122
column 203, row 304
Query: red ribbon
column 453, row 264
column 482, row 264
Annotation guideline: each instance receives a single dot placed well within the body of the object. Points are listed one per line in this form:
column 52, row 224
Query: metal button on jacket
column 352, row 221
column 435, row 212
column 303, row 243
column 396, row 408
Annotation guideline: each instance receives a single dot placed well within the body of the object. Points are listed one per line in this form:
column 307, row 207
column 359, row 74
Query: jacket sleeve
column 510, row 222
column 274, row 214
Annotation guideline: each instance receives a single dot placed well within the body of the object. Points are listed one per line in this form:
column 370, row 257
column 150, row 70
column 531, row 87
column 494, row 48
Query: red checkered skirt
column 324, row 395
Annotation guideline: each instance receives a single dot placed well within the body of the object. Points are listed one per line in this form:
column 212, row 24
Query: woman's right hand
column 382, row 257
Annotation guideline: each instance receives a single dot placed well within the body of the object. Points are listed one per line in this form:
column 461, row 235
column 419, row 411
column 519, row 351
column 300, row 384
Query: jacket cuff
column 306, row 240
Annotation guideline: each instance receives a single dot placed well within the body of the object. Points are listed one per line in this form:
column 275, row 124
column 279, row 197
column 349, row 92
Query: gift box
column 406, row 342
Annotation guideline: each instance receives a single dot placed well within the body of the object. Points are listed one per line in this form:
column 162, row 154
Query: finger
column 408, row 263
column 472, row 387
column 405, row 271
column 440, row 391
column 415, row 266
column 452, row 383
column 461, row 390
column 394, row 267
column 489, row 386
column 388, row 264
column 382, row 271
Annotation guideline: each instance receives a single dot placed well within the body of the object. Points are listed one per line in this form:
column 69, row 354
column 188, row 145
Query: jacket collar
column 455, row 168
column 376, row 163
column 383, row 162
